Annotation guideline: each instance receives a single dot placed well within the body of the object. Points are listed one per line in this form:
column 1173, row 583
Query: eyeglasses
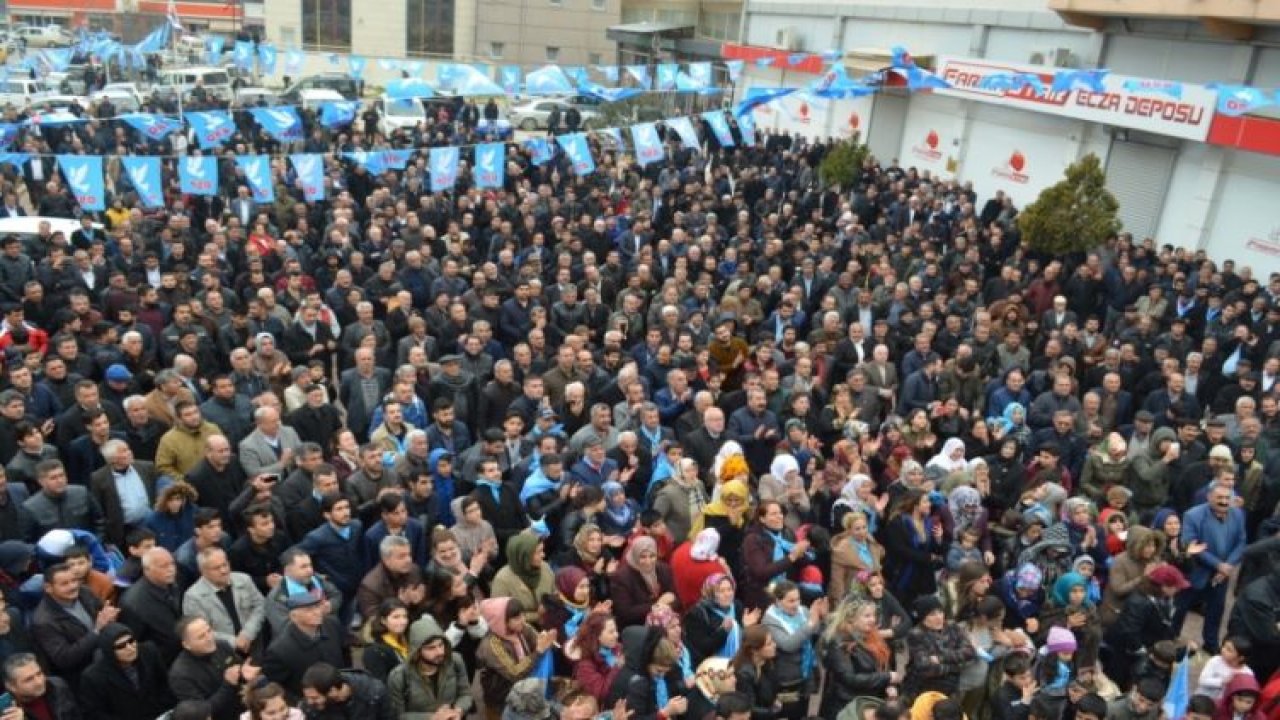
column 125, row 643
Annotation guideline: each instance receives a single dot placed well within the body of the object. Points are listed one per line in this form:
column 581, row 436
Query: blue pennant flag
column 648, row 145
column 683, row 127
column 1005, row 82
column 510, row 78
column 1143, row 86
column 380, row 161
column 443, row 168
column 55, row 117
column 579, row 153
column 667, row 76
column 734, row 68
column 198, row 175
column 547, row 80
column 540, row 151
column 640, row 74
column 901, row 59
column 610, row 73
column 281, row 123
column 491, row 168
column 257, row 175
column 605, row 94
column 468, row 81
column 8, row 134
column 747, row 127
column 16, row 159
column 155, row 41
column 84, row 179
column 409, row 89
column 386, row 64
column 719, row 127
column 244, row 55
column 577, row 74
column 797, row 58
column 395, row 159
column 212, row 128
column 920, row 79
column 310, row 171
column 334, row 115
column 153, row 127
column 764, row 62
column 58, row 59
column 356, row 66
column 1091, row 80
column 144, row 176
column 1236, row 100
column 701, row 73
column 293, row 62
column 214, row 45
column 267, row 58
column 412, row 67
column 758, row 96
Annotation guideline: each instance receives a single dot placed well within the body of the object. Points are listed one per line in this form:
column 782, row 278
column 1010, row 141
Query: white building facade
column 1183, row 173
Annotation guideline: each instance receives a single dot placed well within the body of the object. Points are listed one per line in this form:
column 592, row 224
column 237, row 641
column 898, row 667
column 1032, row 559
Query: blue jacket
column 1225, row 539
column 587, row 475
column 336, row 558
column 413, row 532
column 917, row 392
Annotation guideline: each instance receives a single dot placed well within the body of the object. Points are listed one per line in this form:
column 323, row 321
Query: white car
column 123, row 100
column 533, row 115
column 313, row 99
column 29, row 226
column 20, row 91
column 46, row 36
column 256, row 96
column 396, row 115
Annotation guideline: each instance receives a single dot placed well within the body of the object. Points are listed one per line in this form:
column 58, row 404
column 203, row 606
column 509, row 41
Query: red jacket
column 595, row 676
column 692, row 574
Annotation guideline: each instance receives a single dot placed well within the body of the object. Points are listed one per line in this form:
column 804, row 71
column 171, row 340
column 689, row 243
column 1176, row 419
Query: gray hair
column 414, row 435
column 207, row 556
column 166, row 375
column 111, row 447
column 391, row 543
column 132, row 400
column 16, row 661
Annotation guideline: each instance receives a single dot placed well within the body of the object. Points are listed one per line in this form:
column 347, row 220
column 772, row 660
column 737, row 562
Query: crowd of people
column 704, row 439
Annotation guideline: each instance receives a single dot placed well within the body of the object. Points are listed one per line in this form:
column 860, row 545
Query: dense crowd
column 702, row 439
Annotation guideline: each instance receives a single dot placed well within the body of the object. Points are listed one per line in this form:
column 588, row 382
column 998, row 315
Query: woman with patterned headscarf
column 641, row 582
column 669, row 620
column 714, row 626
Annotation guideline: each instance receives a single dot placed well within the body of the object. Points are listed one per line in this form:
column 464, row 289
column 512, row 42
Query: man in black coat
column 317, row 421
column 66, row 623
column 311, row 636
column 334, row 693
column 28, row 685
column 128, row 680
column 152, row 606
column 207, row 669
column 122, row 473
column 702, row 444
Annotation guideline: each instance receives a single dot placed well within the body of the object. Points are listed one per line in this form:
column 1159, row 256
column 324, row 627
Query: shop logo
column 1013, row 169
column 928, row 150
column 1269, row 246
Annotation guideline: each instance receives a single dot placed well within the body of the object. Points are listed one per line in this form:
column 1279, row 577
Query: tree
column 843, row 163
column 1075, row 215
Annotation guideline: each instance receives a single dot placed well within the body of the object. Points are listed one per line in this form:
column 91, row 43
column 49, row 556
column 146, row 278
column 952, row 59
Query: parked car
column 341, row 84
column 123, row 100
column 500, row 130
column 215, row 81
column 257, row 97
column 532, row 115
column 313, row 99
column 396, row 115
column 45, row 36
column 20, row 91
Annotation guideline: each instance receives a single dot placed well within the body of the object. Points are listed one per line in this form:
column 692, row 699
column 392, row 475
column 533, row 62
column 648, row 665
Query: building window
column 595, row 59
column 326, row 24
column 429, row 27
column 496, row 49
column 553, row 53
column 556, row 3
column 598, row 4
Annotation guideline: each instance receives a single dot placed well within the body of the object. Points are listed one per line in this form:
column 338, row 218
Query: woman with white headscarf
column 950, row 460
column 859, row 493
column 681, row 499
column 695, row 561
column 786, row 485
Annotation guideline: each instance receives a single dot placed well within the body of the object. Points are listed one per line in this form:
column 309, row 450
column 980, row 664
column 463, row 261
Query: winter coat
column 293, row 651
column 200, row 678
column 413, row 697
column 1127, row 572
column 632, row 597
column 846, row 563
column 1100, row 473
column 953, row 649
column 759, row 568
column 1151, row 477
column 106, row 689
column 851, row 673
column 1143, row 622
column 63, row 644
column 634, row 683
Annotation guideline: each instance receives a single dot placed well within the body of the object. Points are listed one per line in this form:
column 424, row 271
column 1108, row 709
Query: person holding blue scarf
column 669, row 620
column 769, row 553
column 597, row 657
column 714, row 626
column 794, row 629
column 650, row 690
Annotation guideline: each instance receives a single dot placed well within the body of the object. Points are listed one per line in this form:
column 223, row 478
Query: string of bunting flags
column 199, row 175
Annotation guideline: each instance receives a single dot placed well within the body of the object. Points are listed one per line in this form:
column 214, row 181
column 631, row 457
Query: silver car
column 533, row 114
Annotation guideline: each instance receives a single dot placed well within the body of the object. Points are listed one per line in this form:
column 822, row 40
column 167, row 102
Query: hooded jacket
column 1240, row 683
column 1150, row 477
column 634, row 683
column 1127, row 571
column 413, row 695
column 108, row 690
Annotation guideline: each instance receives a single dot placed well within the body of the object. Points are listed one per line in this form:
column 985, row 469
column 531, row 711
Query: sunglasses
column 125, row 643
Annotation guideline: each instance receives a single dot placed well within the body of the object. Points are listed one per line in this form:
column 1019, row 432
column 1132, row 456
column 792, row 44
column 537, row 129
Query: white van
column 21, row 91
column 215, row 80
column 314, row 98
column 396, row 115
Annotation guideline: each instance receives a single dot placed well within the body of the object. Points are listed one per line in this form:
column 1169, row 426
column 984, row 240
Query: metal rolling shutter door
column 1138, row 175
